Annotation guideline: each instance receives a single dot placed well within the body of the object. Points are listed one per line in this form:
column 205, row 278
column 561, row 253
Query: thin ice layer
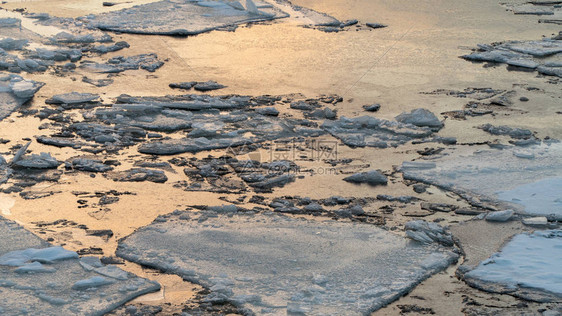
column 37, row 279
column 528, row 266
column 273, row 264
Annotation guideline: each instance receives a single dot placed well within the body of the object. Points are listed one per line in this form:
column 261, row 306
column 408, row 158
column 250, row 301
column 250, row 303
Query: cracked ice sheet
column 51, row 292
column 273, row 264
column 181, row 17
column 528, row 266
column 526, row 179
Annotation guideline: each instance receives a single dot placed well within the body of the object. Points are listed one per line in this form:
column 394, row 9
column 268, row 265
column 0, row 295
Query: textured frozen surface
column 524, row 179
column 528, row 266
column 183, row 17
column 273, row 264
column 36, row 279
column 15, row 91
column 539, row 55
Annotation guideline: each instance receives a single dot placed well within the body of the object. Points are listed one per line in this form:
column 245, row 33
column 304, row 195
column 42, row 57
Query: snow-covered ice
column 273, row 264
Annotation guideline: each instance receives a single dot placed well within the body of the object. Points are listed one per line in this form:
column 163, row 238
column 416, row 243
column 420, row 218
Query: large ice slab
column 538, row 197
column 273, row 264
column 183, row 17
column 526, row 179
column 36, row 279
column 528, row 266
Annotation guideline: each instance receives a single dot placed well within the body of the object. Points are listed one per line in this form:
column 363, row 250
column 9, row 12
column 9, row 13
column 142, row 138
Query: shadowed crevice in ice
column 273, row 264
column 186, row 17
column 527, row 180
column 528, row 266
column 36, row 278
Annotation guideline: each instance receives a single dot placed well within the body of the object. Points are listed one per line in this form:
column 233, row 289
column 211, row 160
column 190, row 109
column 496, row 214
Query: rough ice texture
column 427, row 232
column 528, row 266
column 420, row 117
column 15, row 91
column 184, row 17
column 550, row 10
column 36, row 279
column 372, row 177
column 526, row 54
column 273, row 264
column 72, row 97
column 482, row 176
column 373, row 132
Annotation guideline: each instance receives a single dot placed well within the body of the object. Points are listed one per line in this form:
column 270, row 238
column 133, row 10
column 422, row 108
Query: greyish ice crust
column 273, row 264
column 526, row 179
column 528, row 266
column 55, row 282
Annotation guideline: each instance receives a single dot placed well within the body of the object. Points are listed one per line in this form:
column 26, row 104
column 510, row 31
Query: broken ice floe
column 550, row 11
column 217, row 122
column 274, row 264
column 72, row 97
column 368, row 131
column 37, row 278
column 545, row 55
column 427, row 232
column 15, row 91
column 527, row 180
column 37, row 54
column 528, row 266
column 183, row 17
column 228, row 174
column 371, row 177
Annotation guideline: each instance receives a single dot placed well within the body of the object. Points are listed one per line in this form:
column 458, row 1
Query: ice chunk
column 180, row 18
column 426, row 232
column 372, row 177
column 25, row 259
column 324, row 267
column 493, row 178
column 543, row 197
column 34, row 267
column 95, row 281
column 420, row 117
column 536, row 221
column 500, row 216
column 15, row 91
column 527, row 54
column 51, row 254
column 72, row 97
column 528, row 266
column 41, row 161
